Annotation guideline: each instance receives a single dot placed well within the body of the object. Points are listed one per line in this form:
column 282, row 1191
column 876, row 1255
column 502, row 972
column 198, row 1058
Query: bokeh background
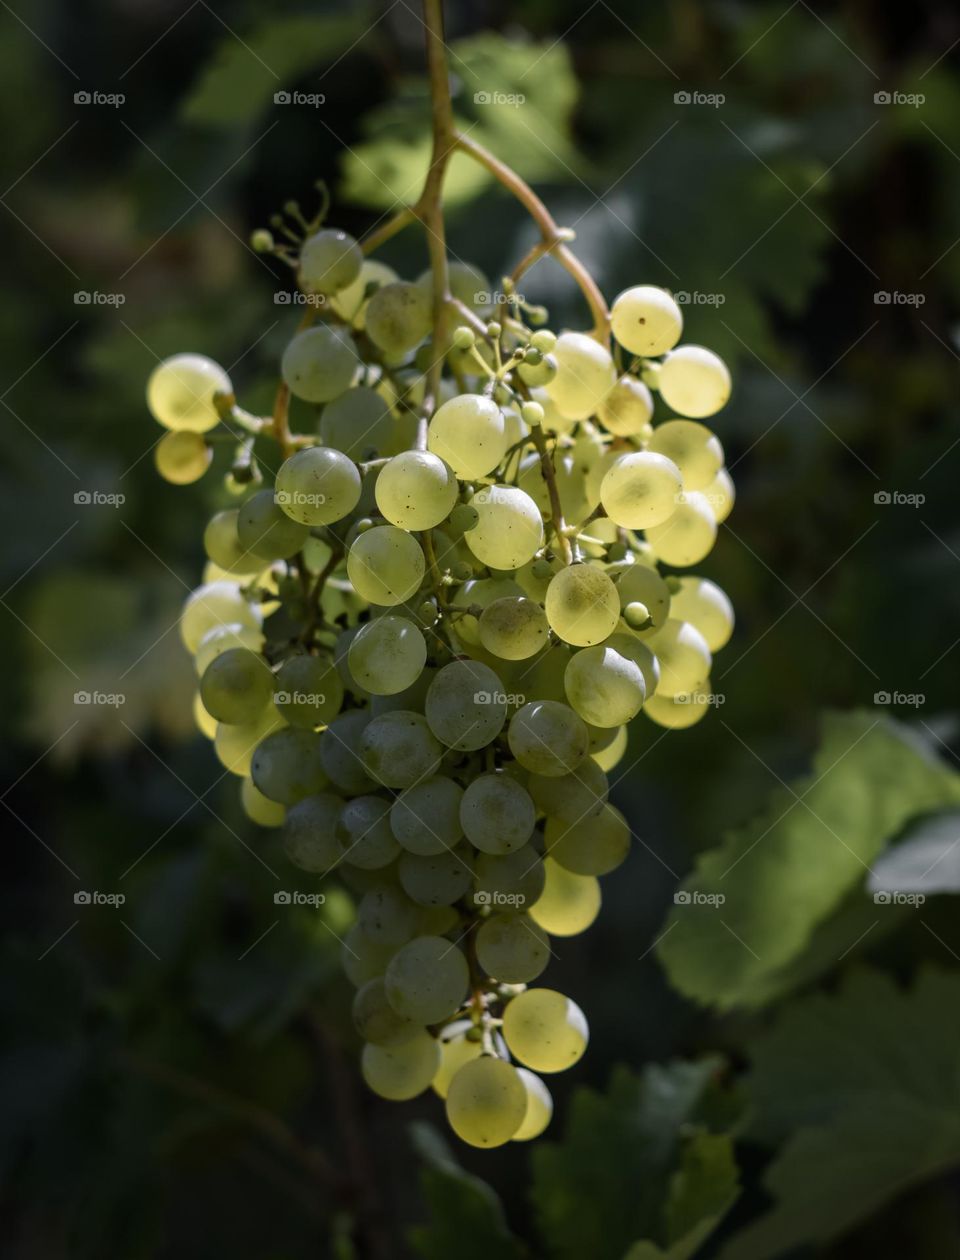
column 179, row 1072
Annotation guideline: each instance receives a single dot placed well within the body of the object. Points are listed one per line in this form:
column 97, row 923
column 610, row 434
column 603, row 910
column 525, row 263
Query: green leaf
column 636, row 1164
column 789, row 871
column 927, row 859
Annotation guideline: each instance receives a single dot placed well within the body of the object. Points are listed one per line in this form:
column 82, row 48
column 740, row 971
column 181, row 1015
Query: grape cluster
column 419, row 650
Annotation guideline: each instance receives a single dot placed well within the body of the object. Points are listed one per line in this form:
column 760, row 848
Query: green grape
column 542, row 373
column 466, row 283
column 385, row 565
column 221, row 638
column 235, row 745
column 413, row 697
column 627, row 409
column 286, row 766
column 466, row 705
column 570, row 481
column 400, row 1073
column 585, row 375
column 399, row 316
column 497, row 814
column 350, row 303
column 509, row 531
column 317, row 486
column 539, row 1107
column 721, row 495
column 387, row 655
column 610, row 755
column 545, row 1030
column 593, row 482
column 398, row 749
column 582, row 605
column 544, row 678
column 468, row 433
column 570, row 797
column 604, row 686
column 427, row 980
column 454, row 1053
column 182, row 457
column 437, row 920
column 426, row 817
column 439, row 879
column 359, row 423
column 480, row 591
column 215, row 604
column 363, row 959
column 329, row 261
column 684, row 658
column 236, row 686
column 628, row 644
column 705, row 606
column 309, row 833
column 222, row 544
column 486, row 1102
column 694, row 381
column 509, row 880
column 548, row 738
column 387, row 915
column 363, row 830
column 589, row 846
column 258, row 808
column 568, row 904
column 694, row 450
column 180, row 392
column 640, row 489
column 679, row 712
column 646, row 320
column 512, row 948
column 514, row 628
column 376, row 1020
column 265, row 530
column 416, row 490
column 319, row 363
column 638, row 583
column 338, row 753
column 205, row 722
column 687, row 537
column 308, row 692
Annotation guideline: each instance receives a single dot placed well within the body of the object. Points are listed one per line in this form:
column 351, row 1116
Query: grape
column 350, row 303
column 385, row 565
column 387, row 915
column 363, row 830
column 416, row 490
column 604, row 686
column 509, row 879
column 582, row 605
column 611, row 754
column 376, row 1020
column 544, row 678
column 359, row 423
column 640, row 489
column 329, row 261
column 401, row 1072
column 486, row 1102
column 627, row 409
column 235, row 745
column 180, row 392
column 215, row 604
column 509, row 531
column 426, row 817
column 438, row 879
column 221, row 638
column 182, row 457
column 206, row 724
column 338, row 753
column 309, row 833
column 548, row 738
column 258, row 808
column 721, row 495
column 688, row 535
column 585, row 375
column 705, row 606
column 545, row 1030
column 646, row 320
column 497, row 814
column 318, row 486
column 236, row 686
column 427, row 980
column 399, row 316
column 454, row 1053
column 512, row 948
column 387, row 655
column 589, row 846
column 643, row 585
column 481, row 591
column 539, row 1107
column 264, row 529
column 468, row 433
column 222, row 544
column 362, row 958
column 466, row 705
column 319, row 363
column 570, row 481
column 398, row 749
column 692, row 448
column 679, row 712
column 309, row 692
column 684, row 658
column 570, row 797
column 466, row 283
column 568, row 904
column 513, row 628
column 694, row 381
column 286, row 766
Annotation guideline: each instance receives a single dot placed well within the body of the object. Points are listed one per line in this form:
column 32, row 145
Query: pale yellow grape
column 721, row 494
column 582, row 605
column 437, row 920
column 646, row 320
column 545, row 1030
column 548, row 738
column 385, row 565
column 640, row 489
column 509, row 531
column 319, row 363
column 264, row 529
column 363, row 830
column 486, row 1102
column 627, row 408
column 693, row 381
column 511, row 948
column 437, row 879
column 318, row 486
column 399, row 317
column 570, row 481
column 679, row 712
column 534, row 578
column 509, row 880
column 627, row 643
column 259, row 808
column 235, row 745
column 585, row 375
column 610, row 755
column 416, row 490
column 496, row 813
column 351, row 302
column 286, row 765
column 221, row 638
column 466, row 283
column 514, row 628
column 539, row 1107
column 330, row 260
column 387, row 915
column 401, row 1072
column 236, row 686
column 182, row 457
column 568, row 904
column 338, row 752
column 544, row 677
column 398, row 749
column 683, row 655
column 692, row 447
column 308, row 692
column 687, row 537
column 426, row 817
column 387, row 655
column 309, row 833
column 180, row 392
column 604, row 686
column 427, row 980
column 640, row 584
column 375, row 1019
column 362, row 958
column 359, row 423
column 703, row 604
column 222, row 544
column 454, row 1053
column 469, row 434
column 466, row 705
column 589, row 846
column 206, row 722
column 580, row 794
column 552, row 422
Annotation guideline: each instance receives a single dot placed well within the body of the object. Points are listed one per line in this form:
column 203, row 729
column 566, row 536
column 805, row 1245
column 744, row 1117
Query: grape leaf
column 789, row 871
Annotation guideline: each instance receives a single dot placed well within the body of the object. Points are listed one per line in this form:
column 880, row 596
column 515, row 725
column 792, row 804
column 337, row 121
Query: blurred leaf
column 927, row 859
column 789, row 870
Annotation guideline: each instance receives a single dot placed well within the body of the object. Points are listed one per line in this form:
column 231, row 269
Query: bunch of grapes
column 419, row 649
